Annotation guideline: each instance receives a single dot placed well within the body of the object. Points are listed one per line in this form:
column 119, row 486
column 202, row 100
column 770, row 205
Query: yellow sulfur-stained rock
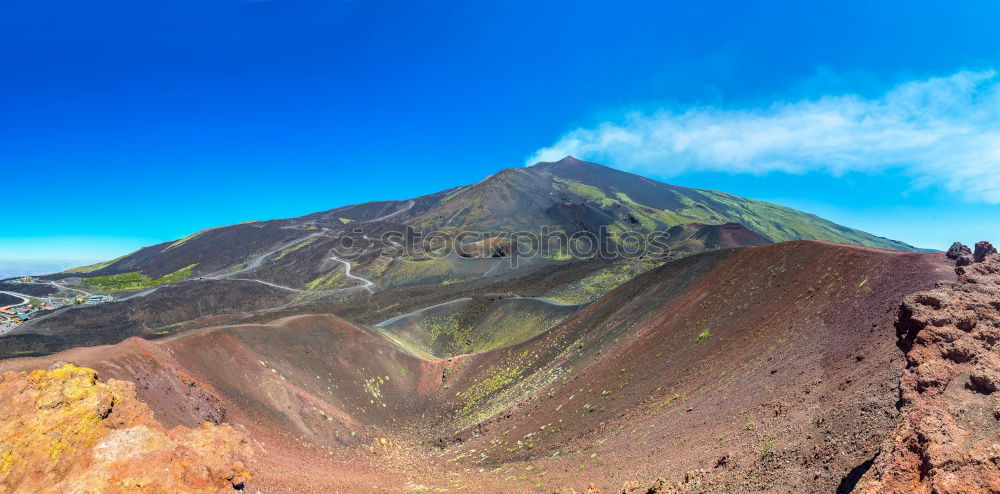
column 65, row 431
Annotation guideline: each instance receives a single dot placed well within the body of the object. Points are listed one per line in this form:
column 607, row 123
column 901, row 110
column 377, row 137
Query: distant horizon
column 10, row 268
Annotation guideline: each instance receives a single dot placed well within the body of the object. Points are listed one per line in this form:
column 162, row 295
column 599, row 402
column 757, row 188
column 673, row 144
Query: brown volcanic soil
column 795, row 386
column 771, row 368
column 692, row 238
column 728, row 236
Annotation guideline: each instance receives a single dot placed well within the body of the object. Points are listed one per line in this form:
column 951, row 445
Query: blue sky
column 128, row 123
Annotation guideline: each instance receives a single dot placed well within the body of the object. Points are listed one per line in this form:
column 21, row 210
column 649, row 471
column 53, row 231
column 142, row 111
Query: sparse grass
column 499, row 379
column 560, row 255
column 452, row 195
column 325, row 281
column 446, row 325
column 767, row 449
column 702, row 336
column 407, row 270
column 588, row 192
column 779, row 223
column 295, row 248
column 452, row 281
column 600, row 283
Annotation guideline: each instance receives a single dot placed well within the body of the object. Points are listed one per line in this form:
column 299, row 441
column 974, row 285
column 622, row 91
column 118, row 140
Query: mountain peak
column 569, row 160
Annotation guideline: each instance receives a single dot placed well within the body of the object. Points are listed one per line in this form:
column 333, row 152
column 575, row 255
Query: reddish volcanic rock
column 947, row 439
column 65, row 431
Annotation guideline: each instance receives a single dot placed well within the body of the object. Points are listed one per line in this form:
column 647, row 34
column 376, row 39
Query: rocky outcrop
column 958, row 249
column 947, row 438
column 983, row 249
column 66, row 431
column 960, row 253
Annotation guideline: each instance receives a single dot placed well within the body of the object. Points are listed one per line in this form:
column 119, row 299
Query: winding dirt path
column 366, row 283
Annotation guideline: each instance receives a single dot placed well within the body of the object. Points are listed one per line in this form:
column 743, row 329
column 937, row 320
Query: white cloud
column 943, row 131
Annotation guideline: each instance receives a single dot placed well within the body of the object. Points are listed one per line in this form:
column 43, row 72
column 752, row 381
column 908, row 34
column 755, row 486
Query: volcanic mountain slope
column 569, row 195
column 766, row 368
column 302, row 265
column 169, row 309
column 182, row 306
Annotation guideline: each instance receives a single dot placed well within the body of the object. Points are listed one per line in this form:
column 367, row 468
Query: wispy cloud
column 943, row 130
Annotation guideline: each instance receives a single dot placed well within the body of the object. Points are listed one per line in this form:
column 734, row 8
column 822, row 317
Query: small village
column 31, row 306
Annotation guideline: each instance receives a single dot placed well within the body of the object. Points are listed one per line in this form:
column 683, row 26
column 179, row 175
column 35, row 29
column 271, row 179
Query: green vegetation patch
column 500, row 378
column 780, row 223
column 452, row 195
column 295, row 247
column 136, row 280
column 446, row 326
column 325, row 281
column 649, row 217
column 702, row 336
column 600, row 283
column 767, row 449
column 407, row 270
column 588, row 192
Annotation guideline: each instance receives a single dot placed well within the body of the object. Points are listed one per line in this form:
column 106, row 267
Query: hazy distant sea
column 10, row 269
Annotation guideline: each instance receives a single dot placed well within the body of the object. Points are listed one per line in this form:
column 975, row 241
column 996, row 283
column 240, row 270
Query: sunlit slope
column 765, row 356
column 568, row 195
